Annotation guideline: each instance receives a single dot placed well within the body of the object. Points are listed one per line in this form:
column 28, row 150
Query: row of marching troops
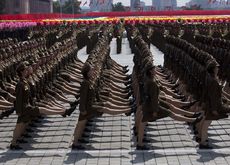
column 38, row 72
column 105, row 88
column 35, row 74
column 197, row 57
column 41, row 66
column 34, row 79
column 155, row 33
column 154, row 93
column 210, row 38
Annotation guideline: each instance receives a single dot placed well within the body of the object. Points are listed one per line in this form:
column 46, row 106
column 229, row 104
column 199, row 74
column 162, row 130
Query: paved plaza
column 111, row 140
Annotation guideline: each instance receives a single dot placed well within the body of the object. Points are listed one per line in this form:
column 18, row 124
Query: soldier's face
column 90, row 73
column 29, row 70
column 153, row 71
column 25, row 73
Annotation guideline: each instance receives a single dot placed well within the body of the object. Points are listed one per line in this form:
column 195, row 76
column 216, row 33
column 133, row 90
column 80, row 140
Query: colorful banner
column 113, row 14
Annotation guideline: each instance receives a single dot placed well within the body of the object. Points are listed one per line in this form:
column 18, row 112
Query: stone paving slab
column 111, row 139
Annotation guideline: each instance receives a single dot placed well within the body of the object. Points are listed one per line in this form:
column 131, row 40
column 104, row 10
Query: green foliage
column 70, row 7
column 118, row 7
column 194, row 7
column 56, row 7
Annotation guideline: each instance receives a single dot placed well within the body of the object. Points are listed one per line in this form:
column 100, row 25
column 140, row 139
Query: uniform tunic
column 150, row 101
column 213, row 100
column 87, row 98
column 23, row 108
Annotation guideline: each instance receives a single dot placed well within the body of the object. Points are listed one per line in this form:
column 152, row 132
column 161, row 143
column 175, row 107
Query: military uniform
column 87, row 98
column 23, row 108
column 150, row 103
